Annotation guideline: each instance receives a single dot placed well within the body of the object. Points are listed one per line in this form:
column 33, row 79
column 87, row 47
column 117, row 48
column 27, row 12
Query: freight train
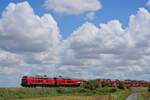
column 127, row 83
column 44, row 81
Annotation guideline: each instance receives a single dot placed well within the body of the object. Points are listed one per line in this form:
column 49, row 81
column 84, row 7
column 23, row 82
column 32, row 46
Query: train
column 44, row 81
column 127, row 83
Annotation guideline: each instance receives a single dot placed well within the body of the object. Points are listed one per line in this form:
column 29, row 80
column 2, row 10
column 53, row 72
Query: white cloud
column 109, row 51
column 30, row 44
column 27, row 40
column 10, row 68
column 7, row 58
column 73, row 7
column 23, row 31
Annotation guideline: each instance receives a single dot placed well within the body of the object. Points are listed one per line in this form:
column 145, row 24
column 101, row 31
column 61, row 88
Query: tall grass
column 143, row 96
column 25, row 93
column 13, row 93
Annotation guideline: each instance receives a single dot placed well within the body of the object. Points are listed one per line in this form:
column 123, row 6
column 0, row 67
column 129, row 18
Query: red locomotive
column 44, row 81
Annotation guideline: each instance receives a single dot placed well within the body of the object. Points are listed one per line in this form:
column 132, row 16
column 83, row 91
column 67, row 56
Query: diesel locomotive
column 44, row 81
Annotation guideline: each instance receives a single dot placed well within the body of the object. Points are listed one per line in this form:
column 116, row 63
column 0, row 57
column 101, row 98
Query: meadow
column 88, row 91
column 106, row 93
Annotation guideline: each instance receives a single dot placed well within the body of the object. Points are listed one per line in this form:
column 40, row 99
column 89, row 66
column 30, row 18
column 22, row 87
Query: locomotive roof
column 59, row 77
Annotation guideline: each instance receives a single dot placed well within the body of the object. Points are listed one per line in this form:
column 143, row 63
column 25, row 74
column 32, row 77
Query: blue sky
column 118, row 9
column 100, row 39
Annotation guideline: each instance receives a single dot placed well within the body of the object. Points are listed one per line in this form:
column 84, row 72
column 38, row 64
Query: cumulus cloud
column 23, row 31
column 10, row 68
column 30, row 45
column 9, row 63
column 27, row 40
column 73, row 7
column 110, row 51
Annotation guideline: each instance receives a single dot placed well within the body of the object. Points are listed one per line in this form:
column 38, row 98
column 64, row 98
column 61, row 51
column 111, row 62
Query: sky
column 85, row 39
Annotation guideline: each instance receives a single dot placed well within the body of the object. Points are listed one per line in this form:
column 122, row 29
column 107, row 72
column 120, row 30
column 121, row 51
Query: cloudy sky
column 78, row 39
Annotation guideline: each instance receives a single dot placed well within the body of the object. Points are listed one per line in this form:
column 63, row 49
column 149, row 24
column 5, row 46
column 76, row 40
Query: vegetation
column 121, row 86
column 144, row 96
column 149, row 88
column 27, row 93
column 72, row 98
column 121, row 95
column 90, row 90
column 19, row 93
column 92, row 85
column 138, row 89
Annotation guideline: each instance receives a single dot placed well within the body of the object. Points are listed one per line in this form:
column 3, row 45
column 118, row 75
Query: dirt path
column 133, row 96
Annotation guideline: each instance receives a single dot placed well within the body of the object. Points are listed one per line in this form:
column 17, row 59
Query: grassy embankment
column 62, row 94
column 144, row 95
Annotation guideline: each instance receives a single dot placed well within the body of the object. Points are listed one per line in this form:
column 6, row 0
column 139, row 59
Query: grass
column 138, row 89
column 19, row 93
column 106, row 93
column 121, row 95
column 142, row 93
column 144, row 96
column 71, row 98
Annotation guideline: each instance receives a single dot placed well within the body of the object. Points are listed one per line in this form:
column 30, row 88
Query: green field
column 62, row 94
column 72, row 98
column 89, row 91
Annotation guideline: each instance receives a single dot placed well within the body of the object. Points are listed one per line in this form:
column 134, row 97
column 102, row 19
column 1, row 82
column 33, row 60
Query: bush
column 112, row 90
column 149, row 88
column 104, row 84
column 121, row 86
column 60, row 91
column 92, row 85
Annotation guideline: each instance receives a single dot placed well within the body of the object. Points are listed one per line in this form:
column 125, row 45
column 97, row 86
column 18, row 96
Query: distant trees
column 121, row 86
column 92, row 85
column 104, row 84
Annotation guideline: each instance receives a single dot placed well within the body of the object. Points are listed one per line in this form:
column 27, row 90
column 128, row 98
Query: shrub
column 112, row 90
column 104, row 84
column 92, row 85
column 149, row 88
column 121, row 86
column 60, row 91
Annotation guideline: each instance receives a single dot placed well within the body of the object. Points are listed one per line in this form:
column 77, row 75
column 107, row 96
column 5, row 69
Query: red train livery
column 44, row 81
column 128, row 83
